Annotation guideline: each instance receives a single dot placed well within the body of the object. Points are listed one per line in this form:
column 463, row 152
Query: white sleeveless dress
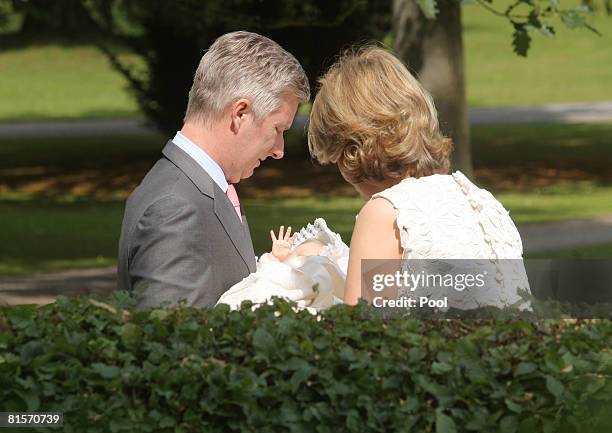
column 448, row 217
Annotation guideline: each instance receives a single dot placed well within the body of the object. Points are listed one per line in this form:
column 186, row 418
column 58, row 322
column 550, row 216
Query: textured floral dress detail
column 448, row 217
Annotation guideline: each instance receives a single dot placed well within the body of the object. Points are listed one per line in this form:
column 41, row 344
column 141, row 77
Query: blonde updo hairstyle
column 376, row 121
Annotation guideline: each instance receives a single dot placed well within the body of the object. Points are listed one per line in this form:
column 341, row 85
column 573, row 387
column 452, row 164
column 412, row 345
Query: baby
column 281, row 246
column 307, row 267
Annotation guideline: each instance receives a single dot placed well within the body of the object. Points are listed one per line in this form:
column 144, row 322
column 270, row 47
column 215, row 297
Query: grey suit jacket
column 181, row 237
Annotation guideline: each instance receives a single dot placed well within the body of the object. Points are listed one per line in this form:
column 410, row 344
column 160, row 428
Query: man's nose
column 279, row 148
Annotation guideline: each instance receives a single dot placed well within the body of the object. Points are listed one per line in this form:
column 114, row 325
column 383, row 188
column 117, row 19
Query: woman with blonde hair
column 376, row 122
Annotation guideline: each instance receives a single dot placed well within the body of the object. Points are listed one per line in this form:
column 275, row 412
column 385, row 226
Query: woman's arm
column 375, row 236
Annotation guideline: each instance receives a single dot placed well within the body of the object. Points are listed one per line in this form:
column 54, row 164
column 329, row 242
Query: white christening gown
column 313, row 282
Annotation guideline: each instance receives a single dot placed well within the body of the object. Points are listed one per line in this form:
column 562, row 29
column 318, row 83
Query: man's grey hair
column 244, row 65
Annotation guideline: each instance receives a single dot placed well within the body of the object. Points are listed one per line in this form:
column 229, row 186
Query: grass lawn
column 38, row 236
column 44, row 236
column 595, row 252
column 569, row 145
column 574, row 66
column 558, row 204
column 61, row 200
column 51, row 79
column 60, row 80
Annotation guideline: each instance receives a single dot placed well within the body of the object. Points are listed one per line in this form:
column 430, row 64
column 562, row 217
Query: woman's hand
column 281, row 246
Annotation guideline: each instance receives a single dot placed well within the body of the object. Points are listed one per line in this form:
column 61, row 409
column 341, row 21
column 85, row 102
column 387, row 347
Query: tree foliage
column 59, row 17
column 529, row 16
column 6, row 10
column 171, row 36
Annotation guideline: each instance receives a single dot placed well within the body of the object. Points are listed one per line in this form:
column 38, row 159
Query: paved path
column 592, row 112
column 75, row 128
column 43, row 288
column 565, row 113
column 566, row 234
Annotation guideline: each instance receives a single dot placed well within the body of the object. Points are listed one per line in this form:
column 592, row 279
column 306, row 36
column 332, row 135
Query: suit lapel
column 224, row 210
column 192, row 169
column 237, row 231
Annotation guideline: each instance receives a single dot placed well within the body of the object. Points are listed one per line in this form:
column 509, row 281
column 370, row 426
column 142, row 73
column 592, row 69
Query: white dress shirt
column 203, row 160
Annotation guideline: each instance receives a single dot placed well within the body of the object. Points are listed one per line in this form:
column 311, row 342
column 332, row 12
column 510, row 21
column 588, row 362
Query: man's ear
column 240, row 111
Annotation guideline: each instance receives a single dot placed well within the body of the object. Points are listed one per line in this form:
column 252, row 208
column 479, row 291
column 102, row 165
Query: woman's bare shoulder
column 377, row 209
column 376, row 227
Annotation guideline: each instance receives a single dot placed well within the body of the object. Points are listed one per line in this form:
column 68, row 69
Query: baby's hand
column 281, row 247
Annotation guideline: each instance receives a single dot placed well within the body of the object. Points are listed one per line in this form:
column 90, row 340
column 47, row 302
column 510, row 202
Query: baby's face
column 309, row 248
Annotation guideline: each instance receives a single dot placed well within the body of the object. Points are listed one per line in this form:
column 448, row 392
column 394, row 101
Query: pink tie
column 233, row 196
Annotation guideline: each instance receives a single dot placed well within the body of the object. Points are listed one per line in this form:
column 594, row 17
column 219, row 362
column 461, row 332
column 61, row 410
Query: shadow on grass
column 531, row 156
column 522, row 158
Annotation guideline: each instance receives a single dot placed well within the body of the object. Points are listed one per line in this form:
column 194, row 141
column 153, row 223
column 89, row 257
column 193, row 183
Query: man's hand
column 281, row 246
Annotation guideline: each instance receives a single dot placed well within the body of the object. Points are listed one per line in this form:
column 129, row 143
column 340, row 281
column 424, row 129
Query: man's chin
column 247, row 174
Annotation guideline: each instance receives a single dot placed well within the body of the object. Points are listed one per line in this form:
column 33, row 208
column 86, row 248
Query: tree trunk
column 433, row 50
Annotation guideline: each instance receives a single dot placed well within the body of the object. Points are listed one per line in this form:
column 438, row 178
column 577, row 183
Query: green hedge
column 273, row 370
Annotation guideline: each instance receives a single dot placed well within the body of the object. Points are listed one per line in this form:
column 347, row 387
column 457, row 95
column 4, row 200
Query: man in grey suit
column 184, row 234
